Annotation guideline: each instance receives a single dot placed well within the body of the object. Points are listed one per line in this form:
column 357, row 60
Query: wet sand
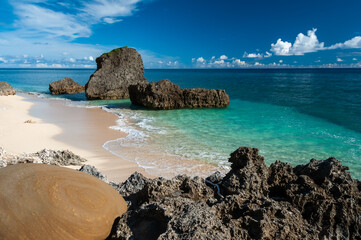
column 54, row 125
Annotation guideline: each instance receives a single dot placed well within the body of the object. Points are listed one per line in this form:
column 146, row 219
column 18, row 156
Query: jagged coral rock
column 319, row 200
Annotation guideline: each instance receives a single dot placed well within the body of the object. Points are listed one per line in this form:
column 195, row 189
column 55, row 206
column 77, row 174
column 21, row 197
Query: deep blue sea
column 291, row 115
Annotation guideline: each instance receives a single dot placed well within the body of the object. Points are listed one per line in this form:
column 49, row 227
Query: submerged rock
column 319, row 200
column 6, row 89
column 41, row 201
column 46, row 156
column 167, row 95
column 116, row 70
column 65, row 86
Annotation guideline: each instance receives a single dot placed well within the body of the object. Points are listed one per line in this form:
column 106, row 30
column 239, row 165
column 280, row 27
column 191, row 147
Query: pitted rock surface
column 116, row 70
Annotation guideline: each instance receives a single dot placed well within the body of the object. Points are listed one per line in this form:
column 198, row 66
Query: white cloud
column 54, row 48
column 352, row 43
column 72, row 60
column 201, row 60
column 257, row 55
column 3, row 60
column 354, row 59
column 111, row 20
column 72, row 19
column 40, row 21
column 268, row 54
column 45, row 65
column 281, row 48
column 303, row 44
column 252, row 55
column 153, row 60
column 50, row 27
column 101, row 9
column 280, row 61
column 220, row 62
column 223, row 57
column 238, row 63
column 339, row 60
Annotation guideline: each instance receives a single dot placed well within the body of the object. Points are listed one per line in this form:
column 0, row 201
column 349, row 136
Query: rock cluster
column 167, row 95
column 116, row 70
column 6, row 89
column 319, row 200
column 46, row 156
column 65, row 86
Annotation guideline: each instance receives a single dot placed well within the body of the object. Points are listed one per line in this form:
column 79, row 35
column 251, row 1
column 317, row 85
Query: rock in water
column 65, row 86
column 40, row 201
column 6, row 89
column 167, row 95
column 116, row 70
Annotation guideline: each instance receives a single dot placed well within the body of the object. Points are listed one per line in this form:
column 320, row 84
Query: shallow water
column 290, row 115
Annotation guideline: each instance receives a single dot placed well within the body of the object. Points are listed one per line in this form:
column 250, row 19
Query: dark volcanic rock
column 65, row 86
column 319, row 200
column 6, row 89
column 116, row 70
column 167, row 95
column 94, row 172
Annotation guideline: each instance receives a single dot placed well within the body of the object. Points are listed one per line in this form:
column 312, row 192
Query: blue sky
column 182, row 34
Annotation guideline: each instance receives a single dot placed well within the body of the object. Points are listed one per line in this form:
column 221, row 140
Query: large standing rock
column 6, row 89
column 116, row 70
column 167, row 95
column 65, row 86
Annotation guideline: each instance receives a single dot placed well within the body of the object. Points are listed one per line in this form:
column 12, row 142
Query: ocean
column 291, row 115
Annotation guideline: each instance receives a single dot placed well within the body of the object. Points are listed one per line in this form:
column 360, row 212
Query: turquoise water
column 290, row 115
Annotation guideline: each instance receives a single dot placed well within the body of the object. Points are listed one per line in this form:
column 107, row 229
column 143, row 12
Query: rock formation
column 6, row 89
column 94, row 172
column 167, row 95
column 46, row 156
column 319, row 200
column 65, row 86
column 41, row 201
column 116, row 70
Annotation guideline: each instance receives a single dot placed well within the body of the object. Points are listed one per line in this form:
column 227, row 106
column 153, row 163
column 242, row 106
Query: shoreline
column 57, row 126
column 85, row 131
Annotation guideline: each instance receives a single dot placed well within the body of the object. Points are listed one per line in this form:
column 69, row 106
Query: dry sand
column 29, row 124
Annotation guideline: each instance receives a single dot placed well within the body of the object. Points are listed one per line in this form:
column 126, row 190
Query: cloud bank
column 50, row 28
column 309, row 43
column 303, row 44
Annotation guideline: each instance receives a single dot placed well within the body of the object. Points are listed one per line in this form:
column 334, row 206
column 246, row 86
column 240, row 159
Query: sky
column 182, row 34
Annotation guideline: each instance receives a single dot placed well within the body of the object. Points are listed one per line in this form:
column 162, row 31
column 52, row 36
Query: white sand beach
column 29, row 124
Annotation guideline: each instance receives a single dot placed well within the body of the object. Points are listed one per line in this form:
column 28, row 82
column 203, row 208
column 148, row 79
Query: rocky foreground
column 319, row 200
column 45, row 156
